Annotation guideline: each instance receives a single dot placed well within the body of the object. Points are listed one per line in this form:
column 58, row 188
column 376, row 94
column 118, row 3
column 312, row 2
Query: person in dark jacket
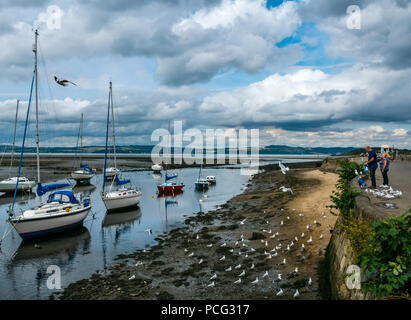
column 372, row 165
column 384, row 167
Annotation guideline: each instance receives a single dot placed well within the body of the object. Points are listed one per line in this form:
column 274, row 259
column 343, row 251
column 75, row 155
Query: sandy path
column 312, row 203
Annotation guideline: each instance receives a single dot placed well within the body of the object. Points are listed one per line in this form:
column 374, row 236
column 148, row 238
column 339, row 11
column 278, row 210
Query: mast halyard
column 14, row 138
column 36, row 33
column 112, row 125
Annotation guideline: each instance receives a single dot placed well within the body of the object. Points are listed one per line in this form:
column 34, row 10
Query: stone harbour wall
column 340, row 254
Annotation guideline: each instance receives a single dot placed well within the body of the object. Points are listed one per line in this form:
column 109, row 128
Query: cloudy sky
column 292, row 69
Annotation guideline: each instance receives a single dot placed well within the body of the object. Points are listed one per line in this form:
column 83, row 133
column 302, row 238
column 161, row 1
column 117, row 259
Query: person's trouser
column 372, row 175
column 385, row 177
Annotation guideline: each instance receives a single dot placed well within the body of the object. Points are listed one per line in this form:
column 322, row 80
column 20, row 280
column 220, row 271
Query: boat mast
column 105, row 152
column 112, row 124
column 81, row 136
column 168, row 146
column 14, row 138
column 36, row 33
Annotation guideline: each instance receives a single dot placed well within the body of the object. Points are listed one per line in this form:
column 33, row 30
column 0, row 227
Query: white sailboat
column 123, row 197
column 85, row 173
column 62, row 210
column 9, row 184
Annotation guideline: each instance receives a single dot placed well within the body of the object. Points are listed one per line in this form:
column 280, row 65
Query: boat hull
column 33, row 228
column 9, row 187
column 82, row 176
column 201, row 186
column 170, row 189
column 121, row 202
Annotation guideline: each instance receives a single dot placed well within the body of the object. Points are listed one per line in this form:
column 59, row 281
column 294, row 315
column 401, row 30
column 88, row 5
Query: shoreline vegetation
column 233, row 252
column 381, row 245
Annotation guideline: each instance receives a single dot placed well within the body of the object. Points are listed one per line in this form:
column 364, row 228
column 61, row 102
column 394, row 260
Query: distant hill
column 146, row 149
column 279, row 149
column 358, row 151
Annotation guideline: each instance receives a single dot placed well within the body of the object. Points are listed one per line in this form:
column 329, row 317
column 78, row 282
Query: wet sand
column 183, row 262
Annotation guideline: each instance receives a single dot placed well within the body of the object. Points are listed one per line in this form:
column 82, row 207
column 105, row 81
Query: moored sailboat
column 9, row 184
column 169, row 186
column 201, row 183
column 85, row 173
column 62, row 210
column 123, row 197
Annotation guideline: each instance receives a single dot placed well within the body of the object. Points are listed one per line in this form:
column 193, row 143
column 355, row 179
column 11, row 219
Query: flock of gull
column 385, row 192
column 273, row 248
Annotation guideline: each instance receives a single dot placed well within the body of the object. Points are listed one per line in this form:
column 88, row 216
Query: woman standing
column 384, row 167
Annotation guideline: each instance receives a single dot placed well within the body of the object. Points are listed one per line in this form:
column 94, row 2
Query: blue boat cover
column 170, row 177
column 86, row 167
column 58, row 197
column 121, row 182
column 54, row 186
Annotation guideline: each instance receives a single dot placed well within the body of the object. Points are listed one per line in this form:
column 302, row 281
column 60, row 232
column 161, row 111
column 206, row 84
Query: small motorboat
column 201, row 184
column 61, row 212
column 211, row 179
column 8, row 185
column 156, row 168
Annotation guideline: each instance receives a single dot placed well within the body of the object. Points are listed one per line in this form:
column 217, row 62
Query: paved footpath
column 400, row 179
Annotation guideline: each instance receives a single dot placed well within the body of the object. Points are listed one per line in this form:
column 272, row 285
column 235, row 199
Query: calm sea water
column 23, row 268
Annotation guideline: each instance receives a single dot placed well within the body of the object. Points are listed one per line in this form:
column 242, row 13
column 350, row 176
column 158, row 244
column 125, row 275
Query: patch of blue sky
column 275, row 3
column 314, row 43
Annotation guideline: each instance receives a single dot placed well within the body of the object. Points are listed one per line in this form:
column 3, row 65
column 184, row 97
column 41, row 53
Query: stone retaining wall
column 340, row 254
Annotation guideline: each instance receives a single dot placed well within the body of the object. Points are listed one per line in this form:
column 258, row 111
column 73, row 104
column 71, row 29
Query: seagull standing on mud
column 283, row 168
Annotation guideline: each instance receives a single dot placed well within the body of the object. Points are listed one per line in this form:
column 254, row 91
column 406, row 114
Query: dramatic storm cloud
column 292, row 68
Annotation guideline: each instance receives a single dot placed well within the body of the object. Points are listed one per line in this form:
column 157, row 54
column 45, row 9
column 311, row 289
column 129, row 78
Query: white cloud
column 309, row 96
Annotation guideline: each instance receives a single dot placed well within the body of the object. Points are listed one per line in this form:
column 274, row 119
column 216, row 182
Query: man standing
column 372, row 165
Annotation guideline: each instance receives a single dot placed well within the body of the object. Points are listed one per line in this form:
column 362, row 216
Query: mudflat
column 234, row 252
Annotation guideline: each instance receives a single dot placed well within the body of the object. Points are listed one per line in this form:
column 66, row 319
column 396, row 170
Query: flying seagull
column 63, row 82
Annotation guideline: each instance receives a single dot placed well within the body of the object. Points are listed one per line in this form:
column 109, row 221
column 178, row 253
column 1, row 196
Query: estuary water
column 85, row 250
